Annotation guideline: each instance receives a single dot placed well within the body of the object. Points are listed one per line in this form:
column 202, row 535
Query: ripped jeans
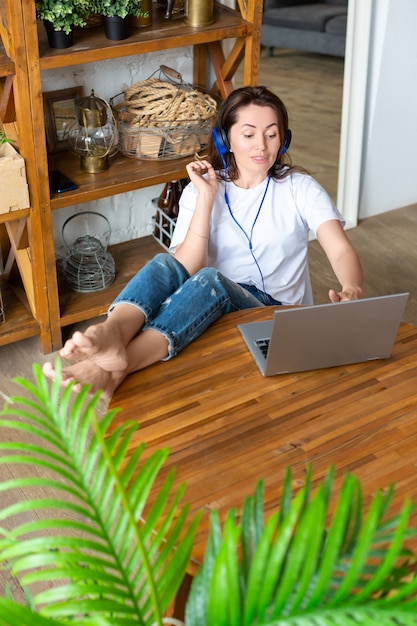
column 181, row 307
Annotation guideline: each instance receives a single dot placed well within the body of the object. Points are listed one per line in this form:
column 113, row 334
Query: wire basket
column 163, row 119
column 88, row 266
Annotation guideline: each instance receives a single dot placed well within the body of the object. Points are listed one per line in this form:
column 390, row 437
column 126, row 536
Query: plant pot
column 57, row 38
column 116, row 28
column 140, row 22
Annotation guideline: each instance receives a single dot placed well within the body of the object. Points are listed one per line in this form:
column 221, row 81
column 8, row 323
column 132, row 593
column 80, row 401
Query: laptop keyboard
column 263, row 345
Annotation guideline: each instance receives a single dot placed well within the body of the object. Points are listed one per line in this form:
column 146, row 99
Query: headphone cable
column 249, row 239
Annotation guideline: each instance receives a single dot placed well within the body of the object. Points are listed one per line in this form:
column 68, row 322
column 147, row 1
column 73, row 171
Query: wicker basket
column 160, row 119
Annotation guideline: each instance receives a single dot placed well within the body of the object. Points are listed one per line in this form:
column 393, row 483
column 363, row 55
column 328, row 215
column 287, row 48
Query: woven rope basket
column 158, row 119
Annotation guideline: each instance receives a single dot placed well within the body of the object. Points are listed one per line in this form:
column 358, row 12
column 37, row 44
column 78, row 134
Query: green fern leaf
column 101, row 544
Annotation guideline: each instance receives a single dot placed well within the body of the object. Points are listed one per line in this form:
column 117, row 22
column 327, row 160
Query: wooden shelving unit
column 34, row 302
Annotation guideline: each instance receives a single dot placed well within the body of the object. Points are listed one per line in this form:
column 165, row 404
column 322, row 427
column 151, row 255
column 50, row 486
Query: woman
column 241, row 241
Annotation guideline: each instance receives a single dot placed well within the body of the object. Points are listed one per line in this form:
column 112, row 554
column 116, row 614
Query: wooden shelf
column 90, row 44
column 124, row 174
column 129, row 257
column 12, row 216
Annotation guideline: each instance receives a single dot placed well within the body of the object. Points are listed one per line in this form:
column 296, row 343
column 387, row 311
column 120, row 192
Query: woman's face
column 254, row 139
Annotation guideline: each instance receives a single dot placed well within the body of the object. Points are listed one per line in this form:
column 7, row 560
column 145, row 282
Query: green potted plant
column 60, row 17
column 115, row 15
column 105, row 553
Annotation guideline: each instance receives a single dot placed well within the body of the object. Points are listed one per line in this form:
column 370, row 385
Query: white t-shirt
column 272, row 252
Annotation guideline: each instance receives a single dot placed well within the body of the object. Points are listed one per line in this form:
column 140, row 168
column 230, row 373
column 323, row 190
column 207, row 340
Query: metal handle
column 106, row 235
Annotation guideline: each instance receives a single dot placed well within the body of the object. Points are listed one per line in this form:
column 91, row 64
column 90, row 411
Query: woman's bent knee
column 208, row 275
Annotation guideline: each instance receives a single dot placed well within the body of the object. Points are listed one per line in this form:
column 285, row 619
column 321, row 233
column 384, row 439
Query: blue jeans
column 181, row 307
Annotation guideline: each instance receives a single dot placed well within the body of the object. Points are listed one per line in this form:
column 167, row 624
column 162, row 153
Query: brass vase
column 199, row 12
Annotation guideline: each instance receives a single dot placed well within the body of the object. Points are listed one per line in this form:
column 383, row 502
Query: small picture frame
column 59, row 108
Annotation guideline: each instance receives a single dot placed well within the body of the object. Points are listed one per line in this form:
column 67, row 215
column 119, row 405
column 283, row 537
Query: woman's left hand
column 346, row 294
column 343, row 259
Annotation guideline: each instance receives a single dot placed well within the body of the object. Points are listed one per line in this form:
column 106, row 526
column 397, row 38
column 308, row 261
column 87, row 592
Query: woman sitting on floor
column 240, row 241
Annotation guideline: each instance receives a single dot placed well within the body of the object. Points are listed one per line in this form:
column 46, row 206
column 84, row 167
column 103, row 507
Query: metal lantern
column 93, row 135
column 88, row 265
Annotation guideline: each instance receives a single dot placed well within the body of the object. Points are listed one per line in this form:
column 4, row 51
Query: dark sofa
column 311, row 26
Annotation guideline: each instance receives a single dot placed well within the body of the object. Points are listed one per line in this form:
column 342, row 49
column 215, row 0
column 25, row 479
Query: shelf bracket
column 223, row 83
column 20, row 252
column 225, row 69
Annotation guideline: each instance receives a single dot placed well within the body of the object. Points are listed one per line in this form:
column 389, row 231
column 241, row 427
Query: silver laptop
column 325, row 335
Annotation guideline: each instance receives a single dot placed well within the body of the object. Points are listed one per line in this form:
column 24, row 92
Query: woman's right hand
column 192, row 252
column 206, row 185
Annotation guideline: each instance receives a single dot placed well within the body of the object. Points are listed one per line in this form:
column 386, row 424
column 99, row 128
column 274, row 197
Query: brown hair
column 227, row 117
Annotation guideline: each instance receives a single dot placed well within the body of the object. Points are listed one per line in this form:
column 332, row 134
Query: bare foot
column 100, row 344
column 87, row 373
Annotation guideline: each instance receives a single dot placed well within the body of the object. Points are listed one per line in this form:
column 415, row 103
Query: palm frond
column 356, row 616
column 105, row 540
column 12, row 613
column 297, row 568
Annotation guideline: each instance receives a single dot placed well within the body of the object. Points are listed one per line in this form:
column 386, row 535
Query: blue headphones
column 221, row 142
column 222, row 145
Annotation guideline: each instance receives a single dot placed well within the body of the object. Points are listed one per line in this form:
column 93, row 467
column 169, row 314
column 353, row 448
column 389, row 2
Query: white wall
column 389, row 166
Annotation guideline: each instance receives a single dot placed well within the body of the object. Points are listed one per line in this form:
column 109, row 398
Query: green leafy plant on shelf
column 117, row 8
column 93, row 539
column 140, row 8
column 64, row 14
